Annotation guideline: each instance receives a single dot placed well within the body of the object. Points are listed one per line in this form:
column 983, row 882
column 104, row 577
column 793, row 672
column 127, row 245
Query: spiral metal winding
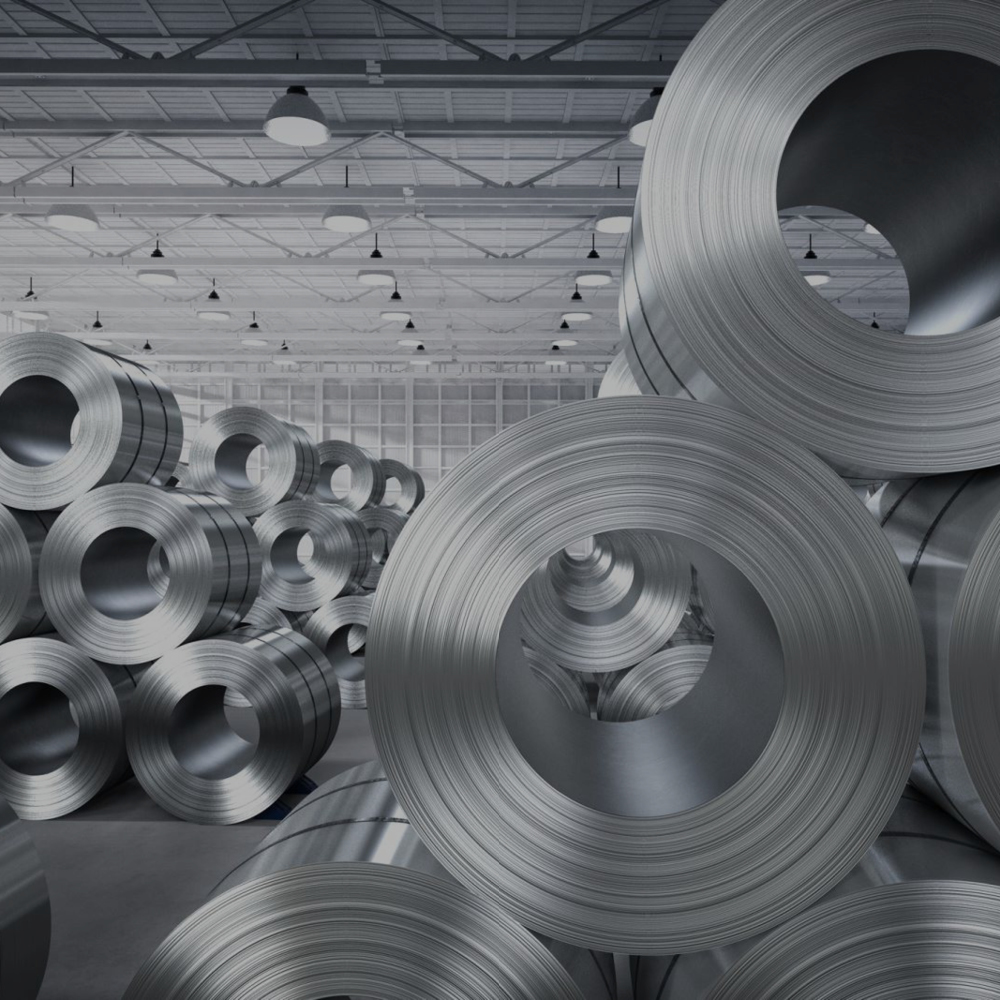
column 411, row 486
column 654, row 685
column 568, row 686
column 340, row 629
column 618, row 379
column 384, row 525
column 367, row 476
column 22, row 534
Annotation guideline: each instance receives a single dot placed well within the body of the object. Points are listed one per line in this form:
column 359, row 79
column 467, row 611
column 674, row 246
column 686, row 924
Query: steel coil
column 219, row 452
column 609, row 609
column 654, row 685
column 340, row 629
column 367, row 485
column 918, row 917
column 94, row 571
column 568, row 686
column 62, row 726
column 618, row 379
column 72, row 418
column 201, row 766
column 827, row 104
column 24, row 911
column 343, row 899
column 411, row 486
column 265, row 615
column 338, row 562
column 22, row 534
column 384, row 526
column 711, row 822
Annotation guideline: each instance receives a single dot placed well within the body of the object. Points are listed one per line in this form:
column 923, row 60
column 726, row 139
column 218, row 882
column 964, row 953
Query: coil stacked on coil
column 714, row 307
column 129, row 427
column 219, row 452
column 618, row 379
column 654, row 685
column 340, row 629
column 384, row 526
column 198, row 765
column 343, row 899
column 265, row 615
column 609, row 609
column 367, row 476
column 94, row 571
column 338, row 563
column 62, row 726
column 814, row 730
column 24, row 911
column 567, row 685
column 22, row 534
column 411, row 486
column 917, row 917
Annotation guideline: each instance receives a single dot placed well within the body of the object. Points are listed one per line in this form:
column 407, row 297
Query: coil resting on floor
column 384, row 526
column 411, row 486
column 816, row 640
column 340, row 630
column 198, row 764
column 343, row 899
column 367, row 476
column 22, row 534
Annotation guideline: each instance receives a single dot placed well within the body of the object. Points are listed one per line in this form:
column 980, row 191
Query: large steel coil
column 95, row 574
column 343, row 899
column 654, row 685
column 200, row 764
column 708, row 823
column 618, row 379
column 265, row 615
column 946, row 532
column 24, row 911
column 785, row 103
column 918, row 917
column 22, row 534
column 384, row 526
column 339, row 558
column 411, row 486
column 62, row 726
column 340, row 629
column 72, row 418
column 367, row 486
column 609, row 609
column 568, row 686
column 224, row 443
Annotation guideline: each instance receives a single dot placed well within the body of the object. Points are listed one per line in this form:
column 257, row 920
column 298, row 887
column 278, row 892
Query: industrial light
column 346, row 219
column 72, row 218
column 564, row 325
column 593, row 279
column 250, row 342
column 642, row 120
column 563, row 343
column 213, row 294
column 157, row 276
column 810, row 254
column 410, row 325
column 875, row 325
column 96, row 342
column 576, row 296
column 613, row 220
column 97, row 324
column 157, row 253
column 393, row 316
column 593, row 255
column 396, row 297
column 254, row 325
column 147, row 346
column 372, row 276
column 376, row 254
column 30, row 293
column 284, row 346
column 296, row 120
column 34, row 314
column 577, row 317
column 871, row 230
column 418, row 344
column 214, row 315
column 817, row 278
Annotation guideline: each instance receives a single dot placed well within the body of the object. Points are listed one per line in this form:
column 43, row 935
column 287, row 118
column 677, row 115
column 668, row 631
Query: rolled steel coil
column 265, row 615
column 367, row 476
column 918, row 917
column 199, row 765
column 654, row 685
column 384, row 526
column 802, row 729
column 343, row 899
column 25, row 920
column 95, row 576
column 796, row 98
column 340, row 557
column 610, row 609
column 340, row 629
column 618, row 379
column 946, row 533
column 219, row 452
column 568, row 686
column 411, row 486
column 128, row 426
column 62, row 726
column 22, row 534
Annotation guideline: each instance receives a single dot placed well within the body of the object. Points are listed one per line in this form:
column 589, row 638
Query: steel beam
column 79, row 29
column 65, row 160
column 432, row 29
column 239, row 30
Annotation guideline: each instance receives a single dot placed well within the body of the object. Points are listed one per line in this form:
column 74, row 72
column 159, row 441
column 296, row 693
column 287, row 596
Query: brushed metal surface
column 367, row 485
column 618, row 379
column 340, row 629
column 384, row 525
column 654, row 685
column 22, row 533
column 411, row 486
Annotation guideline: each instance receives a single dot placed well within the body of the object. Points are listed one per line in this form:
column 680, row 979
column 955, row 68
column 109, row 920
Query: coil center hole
column 38, row 729
column 393, row 491
column 36, row 420
column 345, row 650
column 124, row 573
column 211, row 739
column 242, row 461
column 291, row 555
column 335, row 482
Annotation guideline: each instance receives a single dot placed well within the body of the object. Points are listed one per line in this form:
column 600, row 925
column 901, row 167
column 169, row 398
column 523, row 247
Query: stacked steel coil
column 411, row 486
column 62, row 726
column 343, row 899
column 618, row 379
column 340, row 629
column 367, row 476
column 21, row 536
column 568, row 686
column 654, row 685
column 194, row 761
column 220, row 450
column 384, row 526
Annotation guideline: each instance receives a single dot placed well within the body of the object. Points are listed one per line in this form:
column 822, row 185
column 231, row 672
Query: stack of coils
column 384, row 525
column 72, row 418
column 202, row 764
column 225, row 442
column 25, row 919
column 340, row 629
column 338, row 562
column 568, row 686
column 618, row 379
column 367, row 486
column 62, row 726
column 95, row 579
column 21, row 536
column 411, row 486
column 918, row 917
column 803, row 725
column 263, row 614
column 344, row 900
column 654, row 685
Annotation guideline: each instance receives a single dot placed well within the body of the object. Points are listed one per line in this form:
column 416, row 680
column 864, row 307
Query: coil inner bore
column 38, row 732
column 682, row 757
column 919, row 162
column 393, row 491
column 335, row 481
column 240, row 461
column 32, row 434
column 120, row 576
column 210, row 739
column 345, row 649
column 291, row 553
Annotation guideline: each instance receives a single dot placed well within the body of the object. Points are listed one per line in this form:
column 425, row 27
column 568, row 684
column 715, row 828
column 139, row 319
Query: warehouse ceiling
column 482, row 139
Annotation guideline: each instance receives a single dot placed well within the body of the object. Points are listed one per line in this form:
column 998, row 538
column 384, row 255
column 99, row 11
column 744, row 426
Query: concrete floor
column 123, row 873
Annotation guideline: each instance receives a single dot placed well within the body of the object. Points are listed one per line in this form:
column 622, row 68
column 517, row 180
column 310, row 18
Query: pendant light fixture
column 810, row 253
column 410, row 325
column 30, row 293
column 642, row 120
column 376, row 254
column 576, row 296
column 157, row 253
column 613, row 220
column 376, row 276
column 593, row 279
column 97, row 324
column 254, row 325
column 396, row 297
column 72, row 218
column 817, row 278
column 577, row 317
column 593, row 255
column 875, row 325
column 564, row 325
column 296, row 120
column 213, row 294
column 147, row 347
column 157, row 276
column 346, row 219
